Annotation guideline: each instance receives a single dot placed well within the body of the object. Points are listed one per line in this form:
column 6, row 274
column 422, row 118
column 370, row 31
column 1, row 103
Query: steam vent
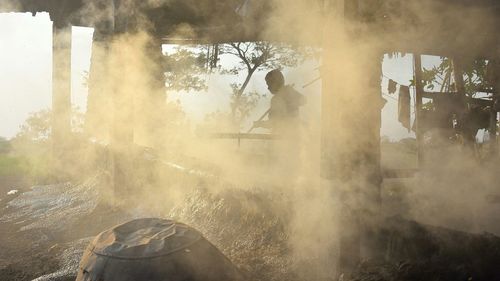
column 261, row 140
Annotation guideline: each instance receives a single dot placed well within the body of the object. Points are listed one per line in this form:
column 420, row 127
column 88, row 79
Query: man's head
column 275, row 80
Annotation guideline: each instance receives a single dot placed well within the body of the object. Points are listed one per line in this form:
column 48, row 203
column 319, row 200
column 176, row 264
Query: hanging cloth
column 391, row 86
column 404, row 114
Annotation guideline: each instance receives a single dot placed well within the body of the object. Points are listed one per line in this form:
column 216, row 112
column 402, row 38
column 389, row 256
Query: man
column 283, row 115
column 283, row 120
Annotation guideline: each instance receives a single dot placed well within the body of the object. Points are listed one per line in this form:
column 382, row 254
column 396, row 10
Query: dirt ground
column 16, row 247
column 52, row 225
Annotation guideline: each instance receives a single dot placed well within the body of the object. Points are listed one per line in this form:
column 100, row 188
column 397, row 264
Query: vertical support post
column 122, row 131
column 459, row 80
column 460, row 85
column 152, row 100
column 334, row 35
column 61, row 91
column 496, row 104
column 123, row 107
column 98, row 116
column 493, row 130
column 350, row 147
column 419, row 90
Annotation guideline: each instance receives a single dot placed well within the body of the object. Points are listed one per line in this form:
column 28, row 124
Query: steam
column 457, row 193
column 124, row 79
column 127, row 96
column 9, row 6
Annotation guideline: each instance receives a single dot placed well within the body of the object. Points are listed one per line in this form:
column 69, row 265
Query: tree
column 474, row 76
column 33, row 144
column 5, row 145
column 38, row 126
column 479, row 76
column 184, row 70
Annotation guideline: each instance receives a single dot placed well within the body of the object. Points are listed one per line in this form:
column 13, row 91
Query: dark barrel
column 154, row 249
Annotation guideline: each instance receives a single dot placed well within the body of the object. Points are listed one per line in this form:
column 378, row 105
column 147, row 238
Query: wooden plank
column 399, row 173
column 249, row 136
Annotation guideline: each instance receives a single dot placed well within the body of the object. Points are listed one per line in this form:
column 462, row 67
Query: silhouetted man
column 283, row 120
column 283, row 116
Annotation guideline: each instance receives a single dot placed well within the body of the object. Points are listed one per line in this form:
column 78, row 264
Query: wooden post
column 350, row 147
column 460, row 85
column 419, row 90
column 61, row 92
column 122, row 131
column 151, row 101
column 494, row 109
column 459, row 79
column 493, row 132
column 122, row 92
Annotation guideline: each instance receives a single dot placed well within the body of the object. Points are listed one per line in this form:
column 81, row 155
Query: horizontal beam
column 249, row 136
column 477, row 101
column 399, row 173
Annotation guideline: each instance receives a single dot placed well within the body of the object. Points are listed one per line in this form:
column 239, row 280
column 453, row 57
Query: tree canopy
column 475, row 76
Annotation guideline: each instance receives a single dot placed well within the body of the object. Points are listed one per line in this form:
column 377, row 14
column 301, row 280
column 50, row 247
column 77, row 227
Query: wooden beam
column 248, row 136
column 350, row 141
column 399, row 173
column 476, row 101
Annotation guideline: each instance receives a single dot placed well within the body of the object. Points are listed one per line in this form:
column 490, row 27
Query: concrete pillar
column 110, row 108
column 151, row 105
column 61, row 90
column 98, row 118
column 122, row 127
column 351, row 118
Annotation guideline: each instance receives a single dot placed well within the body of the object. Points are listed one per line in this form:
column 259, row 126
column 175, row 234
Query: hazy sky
column 26, row 67
column 26, row 77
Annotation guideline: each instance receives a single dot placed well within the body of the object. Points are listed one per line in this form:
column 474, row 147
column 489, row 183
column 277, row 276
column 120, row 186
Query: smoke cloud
column 128, row 110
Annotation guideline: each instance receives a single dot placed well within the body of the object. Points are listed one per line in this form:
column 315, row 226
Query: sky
column 26, row 77
column 26, row 67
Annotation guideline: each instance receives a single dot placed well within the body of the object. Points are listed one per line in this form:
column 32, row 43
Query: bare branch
column 243, row 58
column 246, row 49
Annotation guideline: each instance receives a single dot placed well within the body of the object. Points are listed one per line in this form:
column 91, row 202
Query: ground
column 44, row 230
column 16, row 246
